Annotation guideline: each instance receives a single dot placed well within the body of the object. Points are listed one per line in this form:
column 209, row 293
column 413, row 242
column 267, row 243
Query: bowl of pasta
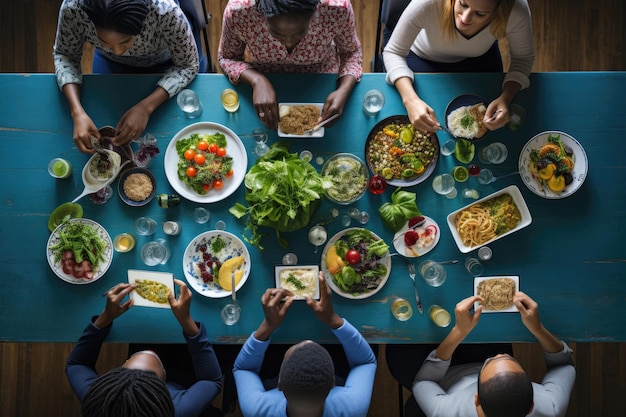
column 489, row 219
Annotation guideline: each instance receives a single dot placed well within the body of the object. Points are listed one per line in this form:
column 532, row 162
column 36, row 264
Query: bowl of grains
column 497, row 293
column 136, row 187
column 296, row 118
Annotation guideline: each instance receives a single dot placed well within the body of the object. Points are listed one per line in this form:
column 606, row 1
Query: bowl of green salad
column 348, row 175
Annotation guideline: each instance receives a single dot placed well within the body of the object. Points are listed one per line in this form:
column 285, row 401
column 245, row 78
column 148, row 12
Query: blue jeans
column 103, row 65
column 490, row 61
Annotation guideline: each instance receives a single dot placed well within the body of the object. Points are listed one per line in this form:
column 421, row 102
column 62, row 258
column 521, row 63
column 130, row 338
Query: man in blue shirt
column 187, row 400
column 306, row 382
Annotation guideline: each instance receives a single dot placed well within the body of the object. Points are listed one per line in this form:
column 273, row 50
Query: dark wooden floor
column 581, row 35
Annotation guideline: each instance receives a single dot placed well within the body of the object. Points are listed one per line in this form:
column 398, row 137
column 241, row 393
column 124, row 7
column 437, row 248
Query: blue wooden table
column 571, row 259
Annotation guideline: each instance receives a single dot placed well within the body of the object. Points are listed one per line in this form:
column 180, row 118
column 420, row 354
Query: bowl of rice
column 136, row 187
column 464, row 117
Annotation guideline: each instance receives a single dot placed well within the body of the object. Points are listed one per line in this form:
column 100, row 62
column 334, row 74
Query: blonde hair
column 498, row 23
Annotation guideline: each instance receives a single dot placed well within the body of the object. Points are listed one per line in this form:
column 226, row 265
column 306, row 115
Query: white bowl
column 517, row 199
column 317, row 134
column 309, row 270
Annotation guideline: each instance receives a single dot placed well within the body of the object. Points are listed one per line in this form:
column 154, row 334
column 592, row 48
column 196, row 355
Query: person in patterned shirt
column 129, row 36
column 277, row 36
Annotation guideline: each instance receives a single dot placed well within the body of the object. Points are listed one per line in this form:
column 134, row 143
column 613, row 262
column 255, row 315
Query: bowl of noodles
column 489, row 219
column 464, row 117
column 296, row 118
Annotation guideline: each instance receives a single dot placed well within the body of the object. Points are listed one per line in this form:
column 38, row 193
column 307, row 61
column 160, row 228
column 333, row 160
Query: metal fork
column 420, row 308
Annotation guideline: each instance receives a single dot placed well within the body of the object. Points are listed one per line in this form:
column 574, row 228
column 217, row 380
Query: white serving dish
column 510, row 309
column 317, row 134
column 517, row 199
column 165, row 278
column 313, row 269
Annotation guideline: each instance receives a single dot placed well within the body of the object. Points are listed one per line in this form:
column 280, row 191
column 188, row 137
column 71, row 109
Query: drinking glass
column 145, row 226
column 171, row 228
column 124, row 242
column 189, row 103
column 474, row 266
column 433, row 273
column 201, row 215
column 290, row 259
column 102, row 195
column 484, row 253
column 354, row 212
column 220, row 225
column 517, row 115
column 363, row 217
column 401, row 309
column 155, row 252
column 470, row 193
column 231, row 313
column 346, row 220
column 448, row 147
column 373, row 102
column 260, row 137
column 494, row 153
column 230, row 100
column 317, row 236
column 306, row 155
column 59, row 168
column 443, row 184
column 485, row 177
column 439, row 315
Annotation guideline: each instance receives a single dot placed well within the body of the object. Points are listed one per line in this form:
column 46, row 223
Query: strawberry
column 417, row 220
column 410, row 237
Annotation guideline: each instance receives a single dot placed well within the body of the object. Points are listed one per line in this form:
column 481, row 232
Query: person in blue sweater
column 306, row 381
column 139, row 384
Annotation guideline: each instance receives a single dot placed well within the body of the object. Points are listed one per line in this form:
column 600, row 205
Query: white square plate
column 512, row 308
column 164, row 278
column 308, row 272
column 317, row 134
column 517, row 199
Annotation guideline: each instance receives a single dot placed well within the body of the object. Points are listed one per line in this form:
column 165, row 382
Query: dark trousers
column 405, row 360
column 491, row 61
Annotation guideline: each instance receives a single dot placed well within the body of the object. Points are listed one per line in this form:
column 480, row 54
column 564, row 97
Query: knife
column 420, row 308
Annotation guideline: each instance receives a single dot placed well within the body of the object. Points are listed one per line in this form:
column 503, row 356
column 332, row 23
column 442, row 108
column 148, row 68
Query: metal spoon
column 98, row 148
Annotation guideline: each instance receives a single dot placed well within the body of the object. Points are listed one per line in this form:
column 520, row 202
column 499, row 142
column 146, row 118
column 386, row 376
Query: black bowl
column 120, row 186
column 464, row 100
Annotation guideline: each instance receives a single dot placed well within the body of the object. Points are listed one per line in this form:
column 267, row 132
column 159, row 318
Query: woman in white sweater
column 459, row 36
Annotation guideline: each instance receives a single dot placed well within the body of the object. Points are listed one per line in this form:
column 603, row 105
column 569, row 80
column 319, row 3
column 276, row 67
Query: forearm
column 72, row 93
column 264, row 332
column 549, row 343
column 406, row 90
column 189, row 326
column 450, row 343
column 509, row 90
column 346, row 84
column 154, row 100
column 252, row 77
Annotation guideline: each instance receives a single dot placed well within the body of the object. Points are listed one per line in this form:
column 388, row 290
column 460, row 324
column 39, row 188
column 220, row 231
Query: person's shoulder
column 163, row 7
column 72, row 5
column 241, row 5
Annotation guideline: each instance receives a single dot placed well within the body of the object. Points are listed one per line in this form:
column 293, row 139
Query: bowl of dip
column 349, row 177
column 303, row 281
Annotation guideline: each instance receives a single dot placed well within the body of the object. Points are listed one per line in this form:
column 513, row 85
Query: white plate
column 317, row 134
column 517, row 199
column 234, row 149
column 512, row 308
column 535, row 184
column 57, row 267
column 313, row 268
column 193, row 253
column 162, row 277
column 385, row 260
column 426, row 242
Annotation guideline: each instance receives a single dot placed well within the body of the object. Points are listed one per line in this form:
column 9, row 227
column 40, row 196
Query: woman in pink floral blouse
column 314, row 36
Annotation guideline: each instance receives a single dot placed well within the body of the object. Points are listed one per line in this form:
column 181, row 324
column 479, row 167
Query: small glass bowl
column 349, row 175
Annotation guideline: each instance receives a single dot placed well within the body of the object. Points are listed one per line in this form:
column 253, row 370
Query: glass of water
column 494, row 153
column 145, row 226
column 189, row 103
column 433, row 273
column 373, row 102
column 447, row 148
column 444, row 184
column 231, row 313
column 155, row 252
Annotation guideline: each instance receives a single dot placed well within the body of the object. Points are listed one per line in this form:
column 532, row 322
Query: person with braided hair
column 307, row 36
column 129, row 36
column 142, row 379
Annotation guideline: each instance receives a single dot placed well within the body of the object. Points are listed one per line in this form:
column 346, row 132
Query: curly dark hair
column 123, row 16
column 272, row 8
column 124, row 392
column 307, row 372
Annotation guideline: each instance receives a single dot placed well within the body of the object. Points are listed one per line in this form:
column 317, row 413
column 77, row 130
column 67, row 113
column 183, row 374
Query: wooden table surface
column 570, row 259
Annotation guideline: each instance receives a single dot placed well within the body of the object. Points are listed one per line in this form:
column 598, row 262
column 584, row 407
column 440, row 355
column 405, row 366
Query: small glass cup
column 231, row 313
column 443, row 184
column 124, row 242
column 433, row 273
column 439, row 315
column 354, row 212
column 59, row 168
column 363, row 217
column 401, row 309
column 319, row 160
column 346, row 220
column 290, row 259
column 201, row 215
column 260, row 137
column 470, row 193
column 102, row 195
column 230, row 100
column 517, row 116
column 452, row 194
column 486, row 176
column 220, row 225
column 373, row 102
column 171, row 228
column 495, row 153
column 306, row 155
column 447, row 148
column 189, row 103
column 155, row 252
column 145, row 226
column 377, row 184
column 484, row 253
column 474, row 267
column 317, row 236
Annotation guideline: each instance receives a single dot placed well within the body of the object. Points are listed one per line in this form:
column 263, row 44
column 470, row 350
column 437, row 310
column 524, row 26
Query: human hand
column 497, row 114
column 323, row 309
column 465, row 320
column 84, row 129
column 529, row 311
column 265, row 104
column 275, row 302
column 180, row 308
column 333, row 105
column 113, row 309
column 132, row 124
column 422, row 116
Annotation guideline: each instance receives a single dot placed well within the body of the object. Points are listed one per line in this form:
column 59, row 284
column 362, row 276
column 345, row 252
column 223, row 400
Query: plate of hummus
column 302, row 281
column 497, row 293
